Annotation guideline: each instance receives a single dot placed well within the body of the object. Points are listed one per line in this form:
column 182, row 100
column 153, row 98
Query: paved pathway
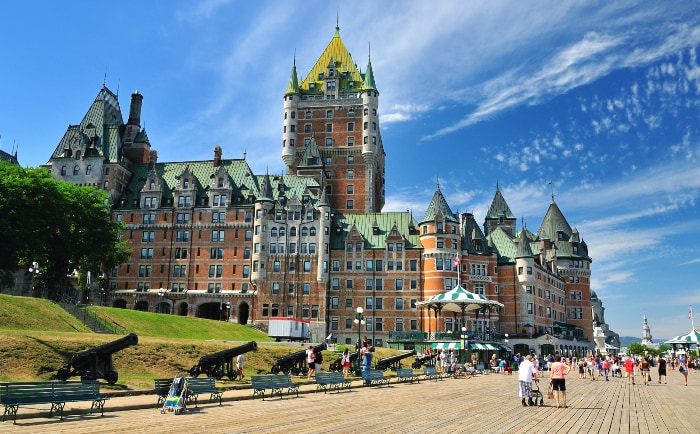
column 484, row 404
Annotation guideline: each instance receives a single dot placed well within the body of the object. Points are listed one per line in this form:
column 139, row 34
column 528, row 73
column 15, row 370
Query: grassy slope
column 38, row 337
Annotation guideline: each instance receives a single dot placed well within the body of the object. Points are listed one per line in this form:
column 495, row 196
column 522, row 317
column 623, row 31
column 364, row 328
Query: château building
column 212, row 239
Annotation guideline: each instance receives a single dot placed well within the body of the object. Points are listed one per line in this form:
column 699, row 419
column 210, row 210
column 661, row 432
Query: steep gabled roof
column 499, row 207
column 438, row 205
column 553, row 223
column 335, row 54
column 523, row 249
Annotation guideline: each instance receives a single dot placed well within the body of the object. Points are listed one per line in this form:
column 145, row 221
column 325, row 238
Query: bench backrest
column 162, row 385
column 48, row 391
column 269, row 381
column 372, row 374
column 404, row 372
column 201, row 384
column 430, row 370
column 330, row 377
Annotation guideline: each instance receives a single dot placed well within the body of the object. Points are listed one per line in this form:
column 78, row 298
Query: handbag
column 550, row 393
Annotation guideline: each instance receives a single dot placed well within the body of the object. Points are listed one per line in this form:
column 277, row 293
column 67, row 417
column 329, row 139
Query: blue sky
column 600, row 98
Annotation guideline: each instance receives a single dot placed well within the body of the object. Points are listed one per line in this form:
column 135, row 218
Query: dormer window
column 221, row 182
column 77, row 155
column 331, row 72
column 186, row 183
column 152, row 185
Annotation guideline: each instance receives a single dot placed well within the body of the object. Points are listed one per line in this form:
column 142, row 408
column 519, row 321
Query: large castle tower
column 331, row 130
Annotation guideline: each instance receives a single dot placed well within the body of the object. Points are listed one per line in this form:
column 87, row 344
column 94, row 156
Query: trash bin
column 515, row 366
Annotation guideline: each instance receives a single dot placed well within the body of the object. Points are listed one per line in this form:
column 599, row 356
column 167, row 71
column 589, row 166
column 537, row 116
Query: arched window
column 312, row 231
column 63, row 171
column 293, row 232
column 76, row 170
column 273, row 232
column 88, row 170
column 304, row 232
column 77, row 155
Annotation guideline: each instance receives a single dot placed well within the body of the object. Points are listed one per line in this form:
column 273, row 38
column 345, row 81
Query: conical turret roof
column 438, row 205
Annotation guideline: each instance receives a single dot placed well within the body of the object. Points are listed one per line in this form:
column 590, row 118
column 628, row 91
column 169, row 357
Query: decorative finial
column 245, row 152
column 551, row 187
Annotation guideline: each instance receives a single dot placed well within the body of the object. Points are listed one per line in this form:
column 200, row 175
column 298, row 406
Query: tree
column 59, row 225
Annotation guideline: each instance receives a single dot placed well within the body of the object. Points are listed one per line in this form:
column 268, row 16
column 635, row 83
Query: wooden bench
column 56, row 393
column 431, row 373
column 374, row 376
column 162, row 388
column 276, row 383
column 203, row 386
column 330, row 380
column 406, row 375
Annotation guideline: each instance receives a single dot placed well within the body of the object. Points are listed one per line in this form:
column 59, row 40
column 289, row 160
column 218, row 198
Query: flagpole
column 690, row 316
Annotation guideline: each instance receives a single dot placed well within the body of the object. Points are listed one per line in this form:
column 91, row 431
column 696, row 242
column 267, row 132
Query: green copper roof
column 105, row 117
column 499, row 207
column 438, row 205
column 366, row 224
column 523, row 246
column 293, row 85
column 244, row 183
column 369, row 77
column 504, row 245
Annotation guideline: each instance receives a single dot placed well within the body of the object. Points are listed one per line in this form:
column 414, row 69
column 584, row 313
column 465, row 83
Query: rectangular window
column 398, row 323
column 335, row 302
column 399, row 284
column 399, row 304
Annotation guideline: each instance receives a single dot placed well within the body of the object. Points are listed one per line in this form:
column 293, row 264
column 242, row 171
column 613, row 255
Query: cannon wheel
column 63, row 374
column 275, row 370
column 194, row 372
column 112, row 377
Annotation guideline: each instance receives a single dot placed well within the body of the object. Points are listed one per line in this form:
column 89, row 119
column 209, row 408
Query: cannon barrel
column 219, row 364
column 97, row 362
column 295, row 362
column 337, row 364
column 393, row 361
column 422, row 360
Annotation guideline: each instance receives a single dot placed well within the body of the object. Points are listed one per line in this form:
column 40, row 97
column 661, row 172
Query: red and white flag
column 457, row 261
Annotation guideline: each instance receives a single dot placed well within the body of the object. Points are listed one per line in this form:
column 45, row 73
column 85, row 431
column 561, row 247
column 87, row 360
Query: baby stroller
column 177, row 396
column 536, row 393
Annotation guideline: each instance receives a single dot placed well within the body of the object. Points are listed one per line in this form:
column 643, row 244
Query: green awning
column 446, row 345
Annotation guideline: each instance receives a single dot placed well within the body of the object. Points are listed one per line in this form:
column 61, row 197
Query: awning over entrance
column 485, row 347
column 446, row 345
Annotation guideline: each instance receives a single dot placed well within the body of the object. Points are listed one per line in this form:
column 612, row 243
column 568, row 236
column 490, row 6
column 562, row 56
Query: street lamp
column 359, row 320
column 34, row 269
column 464, row 345
column 161, row 295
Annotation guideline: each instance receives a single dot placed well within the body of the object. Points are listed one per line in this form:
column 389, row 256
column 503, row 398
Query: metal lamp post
column 161, row 296
column 34, row 269
column 464, row 345
column 359, row 320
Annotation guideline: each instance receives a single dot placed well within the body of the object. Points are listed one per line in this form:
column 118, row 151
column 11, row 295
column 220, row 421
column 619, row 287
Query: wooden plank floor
column 485, row 404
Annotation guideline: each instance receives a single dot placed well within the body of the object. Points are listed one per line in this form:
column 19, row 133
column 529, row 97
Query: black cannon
column 425, row 359
column 393, row 362
column 337, row 364
column 295, row 362
column 96, row 362
column 219, row 364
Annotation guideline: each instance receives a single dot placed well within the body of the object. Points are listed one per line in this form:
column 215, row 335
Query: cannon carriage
column 96, row 362
column 425, row 359
column 337, row 364
column 393, row 362
column 295, row 363
column 222, row 363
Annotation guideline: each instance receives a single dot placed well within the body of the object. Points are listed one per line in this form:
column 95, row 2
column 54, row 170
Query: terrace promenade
column 484, row 404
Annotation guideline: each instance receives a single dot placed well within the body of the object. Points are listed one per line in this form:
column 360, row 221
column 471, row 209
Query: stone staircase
column 84, row 317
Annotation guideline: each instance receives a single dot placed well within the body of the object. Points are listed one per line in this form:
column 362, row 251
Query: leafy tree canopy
column 58, row 225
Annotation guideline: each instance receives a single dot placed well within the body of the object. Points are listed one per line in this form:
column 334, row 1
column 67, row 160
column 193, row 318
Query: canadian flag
column 457, row 261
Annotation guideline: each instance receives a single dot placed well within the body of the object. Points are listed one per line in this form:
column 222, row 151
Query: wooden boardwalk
column 484, row 404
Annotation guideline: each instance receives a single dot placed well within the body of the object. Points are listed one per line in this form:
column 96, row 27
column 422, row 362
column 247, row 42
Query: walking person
column 557, row 377
column 644, row 369
column 683, row 369
column 606, row 368
column 629, row 369
column 526, row 374
column 661, row 367
column 239, row 366
column 346, row 361
column 311, row 361
column 318, row 360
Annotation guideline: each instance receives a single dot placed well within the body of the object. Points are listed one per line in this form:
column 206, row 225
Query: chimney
column 217, row 156
column 135, row 109
column 152, row 159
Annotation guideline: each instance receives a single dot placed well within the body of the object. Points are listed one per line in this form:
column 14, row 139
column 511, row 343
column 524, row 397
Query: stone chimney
column 217, row 156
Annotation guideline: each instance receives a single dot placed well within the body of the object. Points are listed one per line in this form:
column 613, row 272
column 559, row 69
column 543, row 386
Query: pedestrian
column 346, row 361
column 683, row 369
column 629, row 369
column 239, row 366
column 311, row 361
column 442, row 361
column 644, row 369
column 526, row 374
column 606, row 368
column 557, row 377
column 661, row 367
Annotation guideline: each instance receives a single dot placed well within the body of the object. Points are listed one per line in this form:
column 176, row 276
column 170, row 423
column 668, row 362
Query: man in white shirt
column 526, row 373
